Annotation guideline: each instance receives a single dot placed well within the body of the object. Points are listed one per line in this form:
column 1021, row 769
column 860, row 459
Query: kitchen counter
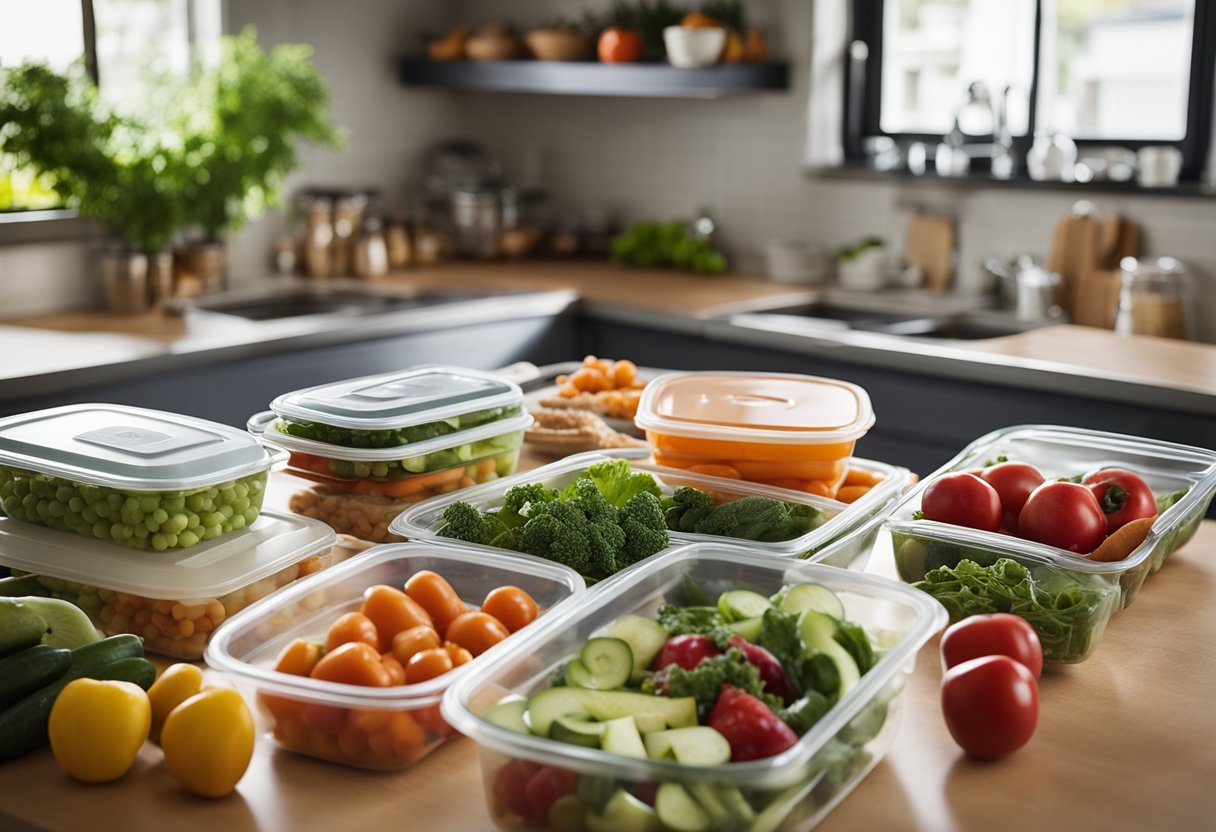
column 1124, row 741
column 63, row 350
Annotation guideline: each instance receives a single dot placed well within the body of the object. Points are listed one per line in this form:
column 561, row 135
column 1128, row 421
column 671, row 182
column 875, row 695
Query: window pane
column 1117, row 69
column 48, row 31
column 933, row 50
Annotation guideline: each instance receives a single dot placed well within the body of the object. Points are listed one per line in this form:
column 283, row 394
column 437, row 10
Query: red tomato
column 1013, row 482
column 991, row 706
column 618, row 45
column 962, row 500
column 546, row 786
column 686, row 651
column 1122, row 496
column 1000, row 634
column 1065, row 515
column 510, row 787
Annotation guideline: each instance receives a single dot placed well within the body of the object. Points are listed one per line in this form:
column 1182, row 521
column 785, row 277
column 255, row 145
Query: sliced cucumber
column 740, row 604
column 719, row 816
column 567, row 814
column 594, row 791
column 695, row 746
column 645, row 638
column 623, row 813
column 748, row 628
column 621, row 737
column 578, row 675
column 577, row 731
column 508, row 713
column 798, row 598
column 677, row 809
column 818, row 632
column 415, row 464
column 607, row 662
column 649, row 723
column 778, row 810
column 548, row 705
column 735, row 803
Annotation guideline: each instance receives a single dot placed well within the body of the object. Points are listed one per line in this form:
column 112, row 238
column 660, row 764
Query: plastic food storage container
column 832, row 520
column 785, row 430
column 174, row 601
column 141, row 478
column 791, row 791
column 1083, row 592
column 375, row 445
column 382, row 728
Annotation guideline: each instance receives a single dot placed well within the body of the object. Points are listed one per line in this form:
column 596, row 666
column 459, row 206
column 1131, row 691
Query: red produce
column 752, row 729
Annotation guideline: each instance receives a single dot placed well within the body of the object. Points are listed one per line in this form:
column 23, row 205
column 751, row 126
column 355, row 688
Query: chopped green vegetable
column 692, row 621
column 756, row 518
column 358, row 438
column 618, row 483
column 1170, row 500
column 1062, row 611
column 686, row 508
column 803, row 713
column 705, row 681
column 853, row 639
column 808, row 671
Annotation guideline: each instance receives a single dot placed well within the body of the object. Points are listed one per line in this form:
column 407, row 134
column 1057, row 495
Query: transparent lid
column 131, row 448
column 775, row 408
column 261, row 425
column 399, row 399
column 204, row 571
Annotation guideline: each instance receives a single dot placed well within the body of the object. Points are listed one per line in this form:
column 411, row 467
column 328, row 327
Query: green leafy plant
column 658, row 244
column 215, row 157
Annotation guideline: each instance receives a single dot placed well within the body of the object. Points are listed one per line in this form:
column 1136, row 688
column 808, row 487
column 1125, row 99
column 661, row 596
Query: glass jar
column 1155, row 298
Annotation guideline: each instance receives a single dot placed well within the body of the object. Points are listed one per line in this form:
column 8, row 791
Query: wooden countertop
column 1077, row 351
column 1126, row 741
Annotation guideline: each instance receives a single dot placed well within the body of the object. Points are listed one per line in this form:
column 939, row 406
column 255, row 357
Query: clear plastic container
column 390, row 728
column 837, row 520
column 396, row 409
column 1099, row 588
column 791, row 791
column 141, row 478
column 785, row 430
column 176, row 600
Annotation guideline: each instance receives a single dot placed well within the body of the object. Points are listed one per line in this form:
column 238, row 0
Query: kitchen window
column 125, row 45
column 985, row 77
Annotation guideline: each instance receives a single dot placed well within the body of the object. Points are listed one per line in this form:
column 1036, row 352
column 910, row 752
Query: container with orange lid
column 782, row 429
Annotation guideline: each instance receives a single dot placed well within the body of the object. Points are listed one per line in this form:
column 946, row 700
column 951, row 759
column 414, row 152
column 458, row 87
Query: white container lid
column 399, row 399
column 262, row 426
column 773, row 408
column 131, row 448
column 210, row 569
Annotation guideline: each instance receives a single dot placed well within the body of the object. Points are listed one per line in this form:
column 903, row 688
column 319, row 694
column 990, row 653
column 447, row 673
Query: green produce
column 600, row 524
column 705, row 681
column 688, row 621
column 1168, row 501
column 757, row 518
column 67, row 625
column 1064, row 612
column 24, row 672
column 23, row 726
column 666, row 244
column 395, row 437
column 141, row 520
column 20, row 626
column 395, row 469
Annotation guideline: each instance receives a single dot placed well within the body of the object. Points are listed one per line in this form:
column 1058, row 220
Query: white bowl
column 693, row 48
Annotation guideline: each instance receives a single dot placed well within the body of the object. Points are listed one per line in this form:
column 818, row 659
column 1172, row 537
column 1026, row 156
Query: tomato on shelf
column 619, row 45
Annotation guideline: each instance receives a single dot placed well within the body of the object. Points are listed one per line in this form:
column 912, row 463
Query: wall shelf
column 592, row 78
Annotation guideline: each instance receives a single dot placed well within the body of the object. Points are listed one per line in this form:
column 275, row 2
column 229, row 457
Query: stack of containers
column 149, row 521
column 374, row 445
column 784, row 430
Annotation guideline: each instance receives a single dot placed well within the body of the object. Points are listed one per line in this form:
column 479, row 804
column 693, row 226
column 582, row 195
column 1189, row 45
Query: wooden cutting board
column 1097, row 291
column 929, row 246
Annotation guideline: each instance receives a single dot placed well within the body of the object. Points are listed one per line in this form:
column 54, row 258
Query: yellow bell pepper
column 208, row 742
column 97, row 727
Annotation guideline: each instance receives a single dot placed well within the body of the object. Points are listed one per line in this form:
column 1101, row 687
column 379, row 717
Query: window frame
column 867, row 29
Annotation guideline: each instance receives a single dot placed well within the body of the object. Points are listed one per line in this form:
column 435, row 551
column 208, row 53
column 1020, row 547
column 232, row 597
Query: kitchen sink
column 300, row 299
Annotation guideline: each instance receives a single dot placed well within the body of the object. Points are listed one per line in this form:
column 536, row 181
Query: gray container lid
column 399, row 399
column 131, row 448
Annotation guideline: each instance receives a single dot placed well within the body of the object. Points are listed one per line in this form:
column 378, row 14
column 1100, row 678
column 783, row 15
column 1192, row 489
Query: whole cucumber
column 23, row 673
column 23, row 725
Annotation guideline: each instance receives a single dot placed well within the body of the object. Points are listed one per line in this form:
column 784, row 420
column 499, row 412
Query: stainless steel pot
column 134, row 281
column 1026, row 287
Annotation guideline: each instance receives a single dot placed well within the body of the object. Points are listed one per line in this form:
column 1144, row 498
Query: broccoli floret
column 462, row 521
column 759, row 518
column 704, row 682
column 618, row 482
column 687, row 507
column 645, row 528
column 584, row 494
column 518, row 499
column 606, row 544
column 558, row 532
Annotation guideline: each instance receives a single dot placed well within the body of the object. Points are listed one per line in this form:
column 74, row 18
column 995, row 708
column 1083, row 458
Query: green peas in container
column 140, row 478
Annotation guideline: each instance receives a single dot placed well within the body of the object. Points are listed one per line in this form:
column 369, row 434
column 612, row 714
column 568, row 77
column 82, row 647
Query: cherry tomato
column 437, row 597
column 1065, row 515
column 991, row 706
column 1000, row 634
column 619, row 45
column 354, row 626
column 511, row 787
column 686, row 651
column 298, row 658
column 353, row 663
column 414, row 640
column 510, row 605
column 1122, row 496
column 392, row 611
column 427, row 665
column 1013, row 482
column 546, row 786
column 962, row 499
column 476, row 632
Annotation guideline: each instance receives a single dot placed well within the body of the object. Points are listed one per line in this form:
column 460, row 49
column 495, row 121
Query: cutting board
column 929, row 246
column 1085, row 252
